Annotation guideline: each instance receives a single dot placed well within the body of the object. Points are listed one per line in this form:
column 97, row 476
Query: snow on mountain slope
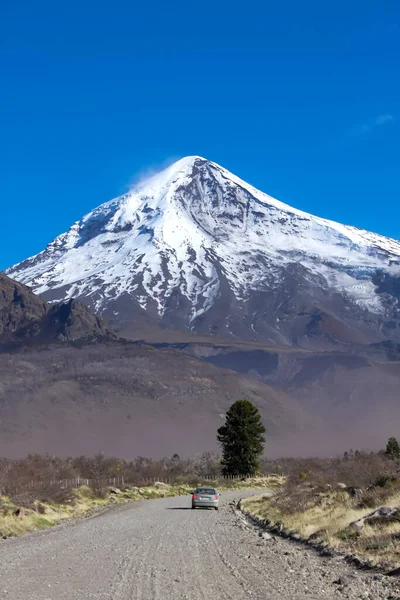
column 197, row 247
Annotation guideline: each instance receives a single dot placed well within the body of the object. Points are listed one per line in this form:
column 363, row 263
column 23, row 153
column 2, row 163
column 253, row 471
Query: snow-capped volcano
column 196, row 247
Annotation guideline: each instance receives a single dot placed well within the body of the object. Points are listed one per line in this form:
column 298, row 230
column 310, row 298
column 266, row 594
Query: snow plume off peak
column 147, row 173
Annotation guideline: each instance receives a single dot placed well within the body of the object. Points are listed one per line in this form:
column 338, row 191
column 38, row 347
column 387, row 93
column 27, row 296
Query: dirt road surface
column 161, row 549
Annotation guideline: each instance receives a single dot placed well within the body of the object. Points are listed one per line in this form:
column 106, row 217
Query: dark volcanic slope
column 356, row 396
column 62, row 394
column 130, row 399
column 120, row 397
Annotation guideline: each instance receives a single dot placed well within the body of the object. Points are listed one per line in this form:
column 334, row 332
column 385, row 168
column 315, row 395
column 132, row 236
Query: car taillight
column 215, row 497
column 194, row 496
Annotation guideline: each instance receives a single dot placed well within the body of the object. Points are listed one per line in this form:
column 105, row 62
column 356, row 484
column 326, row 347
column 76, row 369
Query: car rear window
column 210, row 491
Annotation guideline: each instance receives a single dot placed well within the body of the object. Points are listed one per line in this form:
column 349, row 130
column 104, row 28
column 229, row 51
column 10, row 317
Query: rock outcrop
column 24, row 317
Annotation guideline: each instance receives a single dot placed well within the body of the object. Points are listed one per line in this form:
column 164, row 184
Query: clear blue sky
column 302, row 99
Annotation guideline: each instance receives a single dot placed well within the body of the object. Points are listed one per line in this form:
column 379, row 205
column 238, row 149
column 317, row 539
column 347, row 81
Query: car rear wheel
column 193, row 507
column 216, row 508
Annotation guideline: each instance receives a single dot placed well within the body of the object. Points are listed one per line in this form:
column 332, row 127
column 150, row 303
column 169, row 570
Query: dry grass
column 325, row 515
column 84, row 500
column 251, row 483
column 41, row 515
column 44, row 485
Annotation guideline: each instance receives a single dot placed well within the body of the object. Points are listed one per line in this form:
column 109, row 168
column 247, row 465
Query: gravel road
column 161, row 549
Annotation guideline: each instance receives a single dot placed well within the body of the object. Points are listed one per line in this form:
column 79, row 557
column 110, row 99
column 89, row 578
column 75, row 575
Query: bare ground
column 161, row 549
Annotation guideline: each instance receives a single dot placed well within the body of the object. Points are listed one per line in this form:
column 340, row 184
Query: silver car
column 205, row 497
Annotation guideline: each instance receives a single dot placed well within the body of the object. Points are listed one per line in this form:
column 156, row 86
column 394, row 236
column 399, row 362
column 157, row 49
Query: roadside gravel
column 161, row 549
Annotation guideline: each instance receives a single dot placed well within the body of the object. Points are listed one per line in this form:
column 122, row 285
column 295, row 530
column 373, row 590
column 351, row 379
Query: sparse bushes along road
column 351, row 504
column 319, row 498
column 39, row 491
column 24, row 479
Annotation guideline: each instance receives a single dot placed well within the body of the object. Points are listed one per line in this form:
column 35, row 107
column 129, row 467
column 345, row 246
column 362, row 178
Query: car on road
column 205, row 497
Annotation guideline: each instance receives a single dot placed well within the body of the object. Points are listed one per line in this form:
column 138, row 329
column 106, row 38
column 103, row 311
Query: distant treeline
column 45, row 476
column 141, row 470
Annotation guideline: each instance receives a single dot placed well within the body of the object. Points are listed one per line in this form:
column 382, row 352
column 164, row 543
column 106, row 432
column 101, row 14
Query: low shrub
column 347, row 534
column 385, row 480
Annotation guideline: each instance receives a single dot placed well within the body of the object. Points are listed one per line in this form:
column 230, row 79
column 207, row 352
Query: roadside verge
column 335, row 526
